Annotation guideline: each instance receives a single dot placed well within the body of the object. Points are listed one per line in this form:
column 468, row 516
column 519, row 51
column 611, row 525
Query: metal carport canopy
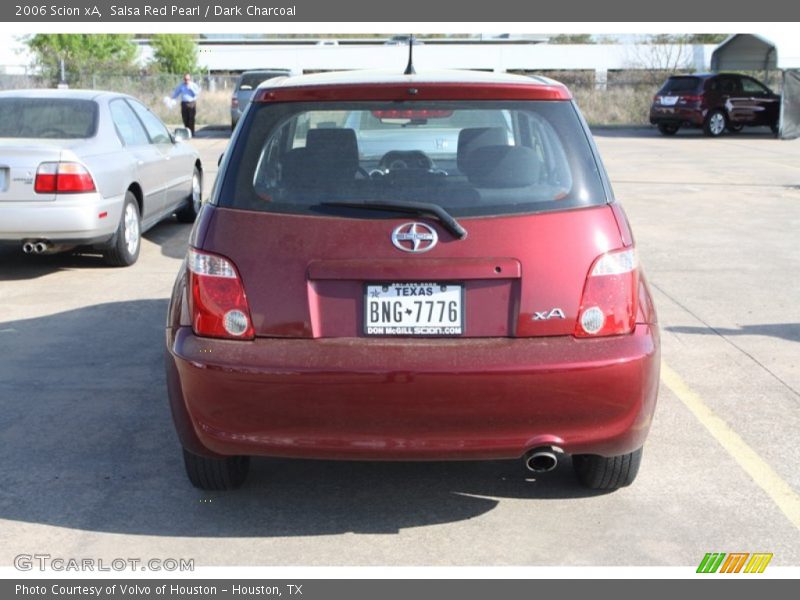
column 754, row 52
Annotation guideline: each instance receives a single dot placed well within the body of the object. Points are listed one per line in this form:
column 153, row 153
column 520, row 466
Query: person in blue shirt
column 188, row 91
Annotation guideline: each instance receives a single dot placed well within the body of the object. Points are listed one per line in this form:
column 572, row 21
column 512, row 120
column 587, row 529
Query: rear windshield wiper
column 417, row 208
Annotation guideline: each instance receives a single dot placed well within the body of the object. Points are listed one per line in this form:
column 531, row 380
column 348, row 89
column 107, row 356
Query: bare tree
column 662, row 55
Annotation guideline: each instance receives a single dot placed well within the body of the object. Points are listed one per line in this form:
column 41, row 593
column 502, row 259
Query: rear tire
column 123, row 249
column 216, row 474
column 668, row 128
column 188, row 213
column 715, row 123
column 607, row 473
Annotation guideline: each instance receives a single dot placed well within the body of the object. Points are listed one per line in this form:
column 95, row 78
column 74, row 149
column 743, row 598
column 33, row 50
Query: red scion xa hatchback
column 412, row 267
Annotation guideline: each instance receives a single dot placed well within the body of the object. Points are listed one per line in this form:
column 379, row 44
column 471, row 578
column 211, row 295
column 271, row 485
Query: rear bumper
column 677, row 116
column 393, row 399
column 75, row 218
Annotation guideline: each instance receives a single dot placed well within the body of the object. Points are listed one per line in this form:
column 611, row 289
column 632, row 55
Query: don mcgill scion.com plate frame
column 414, row 308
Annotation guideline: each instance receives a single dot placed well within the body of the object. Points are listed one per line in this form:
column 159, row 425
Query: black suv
column 715, row 102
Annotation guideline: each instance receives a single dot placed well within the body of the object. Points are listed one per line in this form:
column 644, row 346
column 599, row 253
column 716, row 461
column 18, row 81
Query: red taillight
column 609, row 302
column 63, row 178
column 217, row 301
column 234, row 102
column 688, row 99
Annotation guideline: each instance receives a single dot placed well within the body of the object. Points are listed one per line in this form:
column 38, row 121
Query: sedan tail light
column 234, row 102
column 609, row 302
column 217, row 302
column 63, row 178
column 688, row 99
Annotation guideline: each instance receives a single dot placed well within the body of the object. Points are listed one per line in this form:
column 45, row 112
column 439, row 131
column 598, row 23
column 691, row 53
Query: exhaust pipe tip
column 27, row 247
column 40, row 247
column 541, row 460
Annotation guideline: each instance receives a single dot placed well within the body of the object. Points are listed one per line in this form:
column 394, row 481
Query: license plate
column 414, row 309
column 669, row 100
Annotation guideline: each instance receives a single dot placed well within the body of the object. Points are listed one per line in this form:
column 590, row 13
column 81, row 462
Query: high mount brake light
column 412, row 114
column 609, row 302
column 217, row 301
column 63, row 178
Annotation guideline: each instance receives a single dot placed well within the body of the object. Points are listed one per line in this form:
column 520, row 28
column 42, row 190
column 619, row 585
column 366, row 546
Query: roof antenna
column 410, row 66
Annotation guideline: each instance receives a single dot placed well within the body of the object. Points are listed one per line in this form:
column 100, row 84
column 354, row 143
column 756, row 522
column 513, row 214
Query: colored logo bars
column 717, row 561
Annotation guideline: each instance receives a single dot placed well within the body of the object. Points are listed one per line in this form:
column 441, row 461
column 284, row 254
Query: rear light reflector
column 609, row 302
column 63, row 178
column 217, row 301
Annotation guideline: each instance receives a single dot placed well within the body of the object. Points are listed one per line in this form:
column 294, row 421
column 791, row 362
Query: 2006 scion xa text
column 412, row 267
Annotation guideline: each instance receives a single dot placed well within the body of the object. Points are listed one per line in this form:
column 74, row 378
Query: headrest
column 502, row 166
column 339, row 142
column 330, row 156
column 474, row 137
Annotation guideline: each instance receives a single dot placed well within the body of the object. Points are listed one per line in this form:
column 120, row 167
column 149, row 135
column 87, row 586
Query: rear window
column 471, row 158
column 250, row 81
column 47, row 118
column 681, row 84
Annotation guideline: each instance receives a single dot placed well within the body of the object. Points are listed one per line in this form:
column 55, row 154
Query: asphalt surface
column 91, row 466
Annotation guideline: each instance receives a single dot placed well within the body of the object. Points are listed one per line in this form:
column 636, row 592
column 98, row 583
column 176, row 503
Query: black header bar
column 405, row 11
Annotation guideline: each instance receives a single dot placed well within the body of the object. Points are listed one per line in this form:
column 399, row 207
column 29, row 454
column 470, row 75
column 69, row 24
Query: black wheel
column 715, row 123
column 123, row 249
column 216, row 474
column 735, row 127
column 188, row 213
column 607, row 473
column 668, row 128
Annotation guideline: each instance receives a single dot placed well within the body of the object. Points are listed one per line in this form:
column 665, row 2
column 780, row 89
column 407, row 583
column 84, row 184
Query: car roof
column 708, row 75
column 369, row 76
column 257, row 71
column 66, row 94
column 384, row 84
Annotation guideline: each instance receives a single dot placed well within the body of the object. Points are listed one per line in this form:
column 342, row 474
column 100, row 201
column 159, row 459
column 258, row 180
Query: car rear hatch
column 679, row 91
column 330, row 243
column 314, row 276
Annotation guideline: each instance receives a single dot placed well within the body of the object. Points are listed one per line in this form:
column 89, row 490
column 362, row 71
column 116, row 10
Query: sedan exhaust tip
column 541, row 460
column 37, row 247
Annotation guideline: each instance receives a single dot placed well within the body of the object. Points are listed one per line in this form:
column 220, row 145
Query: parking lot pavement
column 92, row 467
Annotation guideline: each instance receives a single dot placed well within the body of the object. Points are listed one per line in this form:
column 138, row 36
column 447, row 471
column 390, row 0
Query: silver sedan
column 89, row 168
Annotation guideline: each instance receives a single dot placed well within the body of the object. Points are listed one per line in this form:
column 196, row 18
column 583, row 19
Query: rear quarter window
column 472, row 158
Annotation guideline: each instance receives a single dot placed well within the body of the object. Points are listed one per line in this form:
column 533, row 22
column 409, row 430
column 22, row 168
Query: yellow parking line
column 765, row 476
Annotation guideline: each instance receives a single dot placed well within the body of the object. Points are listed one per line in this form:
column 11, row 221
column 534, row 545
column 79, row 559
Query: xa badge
column 556, row 313
column 414, row 237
